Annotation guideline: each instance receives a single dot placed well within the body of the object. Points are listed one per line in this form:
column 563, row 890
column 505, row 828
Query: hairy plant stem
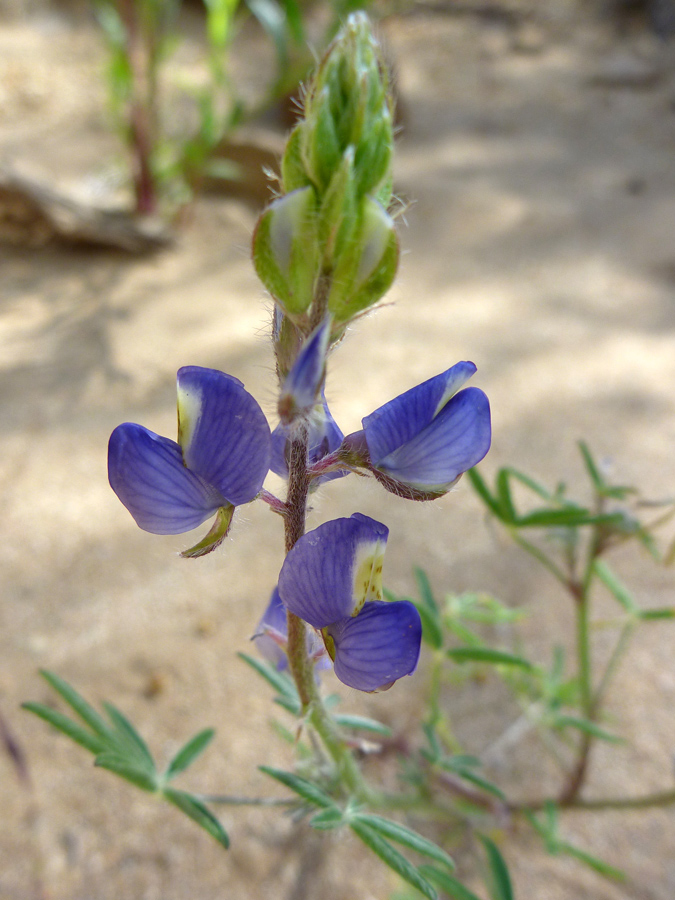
column 300, row 664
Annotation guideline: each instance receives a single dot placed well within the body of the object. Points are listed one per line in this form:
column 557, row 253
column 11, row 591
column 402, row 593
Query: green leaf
column 312, row 793
column 487, row 655
column 362, row 723
column 83, row 709
column 565, row 517
column 199, row 813
column 501, row 883
column 391, row 857
column 481, row 489
column 593, row 862
column 535, row 486
column 432, row 632
column 66, row 726
column 121, row 766
column 424, row 587
column 447, row 883
column 275, row 679
column 504, row 496
column 480, row 782
column 587, row 727
column 593, row 471
column 616, row 587
column 664, row 612
column 327, row 819
column 189, row 752
column 406, row 837
column 130, row 738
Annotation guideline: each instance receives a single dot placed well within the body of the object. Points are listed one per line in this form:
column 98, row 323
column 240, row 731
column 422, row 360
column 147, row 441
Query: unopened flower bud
column 303, row 383
column 364, row 272
column 286, row 250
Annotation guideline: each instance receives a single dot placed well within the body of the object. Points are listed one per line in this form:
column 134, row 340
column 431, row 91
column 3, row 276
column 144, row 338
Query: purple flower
column 420, row 443
column 219, row 462
column 324, row 437
column 332, row 578
column 303, row 383
column 271, row 637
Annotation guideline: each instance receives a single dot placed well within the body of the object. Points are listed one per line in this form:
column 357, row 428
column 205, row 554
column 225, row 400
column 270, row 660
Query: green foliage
column 118, row 747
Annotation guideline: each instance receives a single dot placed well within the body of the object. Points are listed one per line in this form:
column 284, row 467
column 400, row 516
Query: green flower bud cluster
column 328, row 243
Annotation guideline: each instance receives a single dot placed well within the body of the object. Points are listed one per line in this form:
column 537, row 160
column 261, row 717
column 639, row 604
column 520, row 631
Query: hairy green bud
column 286, row 250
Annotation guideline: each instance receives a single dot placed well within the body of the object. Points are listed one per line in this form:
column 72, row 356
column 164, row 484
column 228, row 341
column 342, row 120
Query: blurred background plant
column 168, row 165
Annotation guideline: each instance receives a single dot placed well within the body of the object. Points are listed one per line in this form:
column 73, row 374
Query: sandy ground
column 538, row 159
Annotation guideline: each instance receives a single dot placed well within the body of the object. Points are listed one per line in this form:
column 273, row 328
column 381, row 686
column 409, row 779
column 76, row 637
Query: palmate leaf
column 392, row 858
column 143, row 778
column 126, row 738
column 119, row 748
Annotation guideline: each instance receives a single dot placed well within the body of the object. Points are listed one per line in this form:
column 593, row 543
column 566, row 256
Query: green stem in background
column 617, row 654
column 541, row 557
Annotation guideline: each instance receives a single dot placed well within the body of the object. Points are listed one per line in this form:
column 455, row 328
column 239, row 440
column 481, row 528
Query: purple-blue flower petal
column 457, row 439
column 400, row 420
column 317, row 579
column 324, row 437
column 303, row 382
column 271, row 637
column 271, row 634
column 147, row 473
column 378, row 646
column 223, row 433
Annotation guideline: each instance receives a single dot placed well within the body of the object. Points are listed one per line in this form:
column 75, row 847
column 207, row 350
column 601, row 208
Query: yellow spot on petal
column 367, row 578
column 189, row 411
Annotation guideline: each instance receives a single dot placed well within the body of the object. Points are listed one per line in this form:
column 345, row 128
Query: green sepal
column 373, row 160
column 365, row 269
column 293, row 172
column 321, row 145
column 199, row 813
column 338, row 215
column 286, row 250
column 216, row 535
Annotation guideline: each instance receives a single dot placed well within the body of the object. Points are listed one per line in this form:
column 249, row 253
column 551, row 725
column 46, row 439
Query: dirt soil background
column 537, row 153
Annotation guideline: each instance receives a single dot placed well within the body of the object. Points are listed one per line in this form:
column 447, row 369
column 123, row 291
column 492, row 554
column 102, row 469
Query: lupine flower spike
column 219, row 462
column 332, row 578
column 420, row 443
